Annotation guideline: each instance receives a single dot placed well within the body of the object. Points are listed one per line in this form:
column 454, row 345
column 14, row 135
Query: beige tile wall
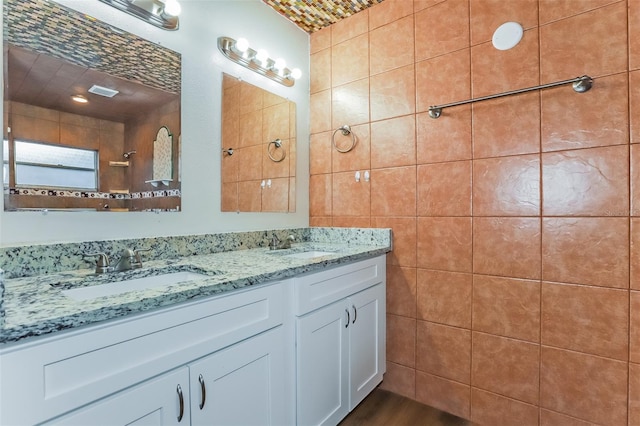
column 253, row 117
column 514, row 284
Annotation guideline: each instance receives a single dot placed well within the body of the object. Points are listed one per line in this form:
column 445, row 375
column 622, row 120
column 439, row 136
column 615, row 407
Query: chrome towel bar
column 580, row 85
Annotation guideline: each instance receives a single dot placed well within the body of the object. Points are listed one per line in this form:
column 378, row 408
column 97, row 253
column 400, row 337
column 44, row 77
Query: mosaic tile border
column 312, row 16
column 90, row 194
column 79, row 38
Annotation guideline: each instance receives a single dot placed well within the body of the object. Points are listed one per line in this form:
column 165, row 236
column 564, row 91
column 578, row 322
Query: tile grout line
column 541, row 210
column 630, row 220
column 415, row 139
column 472, row 156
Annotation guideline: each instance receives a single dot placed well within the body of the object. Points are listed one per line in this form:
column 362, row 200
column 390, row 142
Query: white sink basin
column 309, row 254
column 110, row 289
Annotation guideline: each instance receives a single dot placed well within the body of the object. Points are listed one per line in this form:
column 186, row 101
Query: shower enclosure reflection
column 75, row 112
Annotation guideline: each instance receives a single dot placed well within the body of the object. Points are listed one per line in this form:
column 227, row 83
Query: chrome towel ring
column 346, row 130
column 278, row 144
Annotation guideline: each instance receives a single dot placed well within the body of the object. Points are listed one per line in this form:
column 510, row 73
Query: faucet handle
column 274, row 242
column 286, row 244
column 137, row 252
column 102, row 264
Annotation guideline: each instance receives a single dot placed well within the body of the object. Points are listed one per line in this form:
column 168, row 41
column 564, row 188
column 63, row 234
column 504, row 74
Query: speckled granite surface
column 32, row 260
column 23, row 261
column 34, row 304
column 1, row 299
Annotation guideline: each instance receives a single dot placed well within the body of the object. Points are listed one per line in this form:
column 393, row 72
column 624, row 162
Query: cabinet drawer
column 319, row 289
column 44, row 379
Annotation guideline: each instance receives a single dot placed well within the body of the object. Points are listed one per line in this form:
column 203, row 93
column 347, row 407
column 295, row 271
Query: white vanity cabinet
column 239, row 385
column 161, row 401
column 128, row 371
column 242, row 385
column 340, row 335
column 301, row 351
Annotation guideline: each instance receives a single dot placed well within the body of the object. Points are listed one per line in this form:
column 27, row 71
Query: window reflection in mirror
column 53, row 53
column 43, row 165
column 258, row 149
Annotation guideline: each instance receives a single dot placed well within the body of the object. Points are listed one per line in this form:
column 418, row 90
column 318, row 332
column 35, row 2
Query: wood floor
column 383, row 408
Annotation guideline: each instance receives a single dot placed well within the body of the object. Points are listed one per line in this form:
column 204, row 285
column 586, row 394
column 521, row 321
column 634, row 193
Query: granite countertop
column 37, row 306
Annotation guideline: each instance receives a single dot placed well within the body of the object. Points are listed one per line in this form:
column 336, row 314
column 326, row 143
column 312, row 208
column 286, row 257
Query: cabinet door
column 158, row 401
column 366, row 342
column 243, row 384
column 322, row 364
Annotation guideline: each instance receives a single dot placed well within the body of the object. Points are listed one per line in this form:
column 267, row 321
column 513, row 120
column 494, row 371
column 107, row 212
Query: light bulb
column 262, row 56
column 242, row 45
column 296, row 73
column 172, row 7
column 80, row 99
column 279, row 64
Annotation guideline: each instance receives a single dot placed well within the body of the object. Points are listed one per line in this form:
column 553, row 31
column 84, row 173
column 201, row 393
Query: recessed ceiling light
column 80, row 99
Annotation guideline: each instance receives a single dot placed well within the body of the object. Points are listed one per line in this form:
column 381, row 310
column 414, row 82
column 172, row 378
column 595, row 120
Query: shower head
column 128, row 155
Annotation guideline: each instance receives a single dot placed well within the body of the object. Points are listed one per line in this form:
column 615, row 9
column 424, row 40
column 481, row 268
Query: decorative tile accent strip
column 92, row 194
column 312, row 16
column 177, row 209
column 85, row 41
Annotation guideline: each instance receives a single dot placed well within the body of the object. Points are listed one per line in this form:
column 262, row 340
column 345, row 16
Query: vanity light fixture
column 279, row 65
column 242, row 45
column 160, row 13
column 172, row 7
column 296, row 73
column 258, row 61
column 262, row 56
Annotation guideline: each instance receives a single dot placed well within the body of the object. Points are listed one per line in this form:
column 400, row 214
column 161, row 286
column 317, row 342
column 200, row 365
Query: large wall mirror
column 258, row 149
column 91, row 114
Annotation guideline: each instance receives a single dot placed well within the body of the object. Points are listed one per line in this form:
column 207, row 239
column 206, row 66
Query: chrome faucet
column 276, row 244
column 102, row 264
column 129, row 259
column 273, row 244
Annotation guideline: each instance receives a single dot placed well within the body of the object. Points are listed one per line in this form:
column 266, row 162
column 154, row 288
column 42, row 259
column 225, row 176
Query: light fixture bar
column 249, row 59
column 150, row 11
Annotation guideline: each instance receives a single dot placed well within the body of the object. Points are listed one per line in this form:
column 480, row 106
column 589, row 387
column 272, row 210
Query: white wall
column 201, row 23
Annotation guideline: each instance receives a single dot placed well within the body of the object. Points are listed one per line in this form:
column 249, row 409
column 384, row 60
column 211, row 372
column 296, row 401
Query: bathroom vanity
column 198, row 363
column 299, row 338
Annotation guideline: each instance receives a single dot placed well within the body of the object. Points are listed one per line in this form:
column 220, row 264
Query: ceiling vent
column 103, row 91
